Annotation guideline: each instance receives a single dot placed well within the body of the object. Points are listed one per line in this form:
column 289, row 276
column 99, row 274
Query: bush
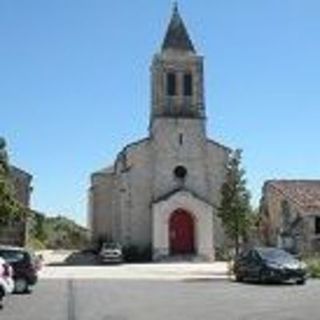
column 35, row 244
column 223, row 254
column 313, row 265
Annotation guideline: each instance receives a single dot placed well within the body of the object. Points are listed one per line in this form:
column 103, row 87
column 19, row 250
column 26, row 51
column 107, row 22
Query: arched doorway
column 181, row 232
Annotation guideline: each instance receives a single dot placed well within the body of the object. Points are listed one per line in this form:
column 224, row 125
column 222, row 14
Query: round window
column 180, row 172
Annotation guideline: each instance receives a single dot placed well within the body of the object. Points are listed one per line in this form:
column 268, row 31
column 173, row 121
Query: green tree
column 10, row 209
column 37, row 226
column 235, row 211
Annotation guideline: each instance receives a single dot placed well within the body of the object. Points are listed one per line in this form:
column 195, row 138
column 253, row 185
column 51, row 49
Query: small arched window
column 171, row 84
column 187, row 84
column 317, row 225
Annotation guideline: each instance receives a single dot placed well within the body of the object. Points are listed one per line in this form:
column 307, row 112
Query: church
column 163, row 191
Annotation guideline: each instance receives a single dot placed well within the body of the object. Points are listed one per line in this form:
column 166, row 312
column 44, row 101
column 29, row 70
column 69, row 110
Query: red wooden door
column 181, row 232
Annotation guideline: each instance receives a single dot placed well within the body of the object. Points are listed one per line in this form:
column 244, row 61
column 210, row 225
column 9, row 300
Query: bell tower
column 177, row 75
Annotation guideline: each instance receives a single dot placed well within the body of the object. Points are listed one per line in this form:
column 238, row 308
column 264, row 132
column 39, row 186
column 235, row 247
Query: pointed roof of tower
column 177, row 36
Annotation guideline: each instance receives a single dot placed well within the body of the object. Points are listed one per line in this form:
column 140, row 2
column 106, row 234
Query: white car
column 6, row 281
column 111, row 253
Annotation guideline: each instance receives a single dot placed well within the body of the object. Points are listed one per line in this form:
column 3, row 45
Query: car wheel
column 2, row 293
column 239, row 278
column 301, row 281
column 21, row 285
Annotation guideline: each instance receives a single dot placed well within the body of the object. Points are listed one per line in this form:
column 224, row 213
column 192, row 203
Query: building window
column 286, row 214
column 317, row 225
column 187, row 84
column 171, row 84
column 180, row 172
column 180, row 139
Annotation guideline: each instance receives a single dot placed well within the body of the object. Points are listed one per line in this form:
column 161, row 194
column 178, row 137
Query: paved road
column 142, row 271
column 188, row 299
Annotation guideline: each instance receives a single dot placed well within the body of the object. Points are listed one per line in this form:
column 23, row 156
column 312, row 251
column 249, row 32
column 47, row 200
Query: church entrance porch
column 181, row 232
column 182, row 226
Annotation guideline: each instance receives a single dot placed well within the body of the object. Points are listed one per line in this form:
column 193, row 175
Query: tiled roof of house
column 106, row 170
column 306, row 193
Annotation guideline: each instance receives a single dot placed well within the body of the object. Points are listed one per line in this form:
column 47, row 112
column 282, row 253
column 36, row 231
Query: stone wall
column 100, row 206
column 22, row 185
column 134, row 194
column 300, row 225
column 15, row 232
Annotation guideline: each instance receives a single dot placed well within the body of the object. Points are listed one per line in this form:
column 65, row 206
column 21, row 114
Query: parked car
column 268, row 264
column 25, row 267
column 6, row 281
column 111, row 253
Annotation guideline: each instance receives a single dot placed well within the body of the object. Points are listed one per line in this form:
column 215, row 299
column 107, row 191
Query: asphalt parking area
column 189, row 298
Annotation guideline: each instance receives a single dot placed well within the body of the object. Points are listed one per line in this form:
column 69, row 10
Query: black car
column 24, row 265
column 268, row 264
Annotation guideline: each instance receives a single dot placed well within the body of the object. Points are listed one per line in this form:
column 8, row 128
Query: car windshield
column 274, row 254
column 111, row 246
column 12, row 255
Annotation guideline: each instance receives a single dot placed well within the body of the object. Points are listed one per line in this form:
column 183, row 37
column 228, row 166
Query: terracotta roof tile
column 305, row 192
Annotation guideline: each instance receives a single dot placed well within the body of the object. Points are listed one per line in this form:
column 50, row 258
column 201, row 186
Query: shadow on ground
column 77, row 259
column 216, row 277
column 205, row 279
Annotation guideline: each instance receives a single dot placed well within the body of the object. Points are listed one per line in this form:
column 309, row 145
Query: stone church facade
column 163, row 191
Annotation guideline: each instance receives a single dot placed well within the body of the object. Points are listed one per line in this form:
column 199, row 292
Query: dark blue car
column 269, row 264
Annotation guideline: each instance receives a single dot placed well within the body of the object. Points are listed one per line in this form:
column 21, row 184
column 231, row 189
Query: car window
column 255, row 255
column 242, row 255
column 252, row 256
column 275, row 254
column 32, row 256
column 110, row 246
column 12, row 255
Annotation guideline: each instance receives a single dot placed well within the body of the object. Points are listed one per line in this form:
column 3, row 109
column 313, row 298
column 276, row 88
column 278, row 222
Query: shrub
column 313, row 265
column 223, row 253
column 35, row 244
column 133, row 253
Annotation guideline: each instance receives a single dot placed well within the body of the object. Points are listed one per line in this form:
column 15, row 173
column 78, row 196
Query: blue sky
column 74, row 86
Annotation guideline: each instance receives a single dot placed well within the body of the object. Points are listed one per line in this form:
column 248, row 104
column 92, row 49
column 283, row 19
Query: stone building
column 15, row 232
column 163, row 191
column 290, row 215
column 21, row 181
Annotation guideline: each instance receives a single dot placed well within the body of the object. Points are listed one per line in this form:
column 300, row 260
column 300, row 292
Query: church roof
column 171, row 193
column 177, row 37
column 306, row 193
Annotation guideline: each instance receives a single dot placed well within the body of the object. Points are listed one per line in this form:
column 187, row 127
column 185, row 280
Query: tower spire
column 175, row 7
column 177, row 37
